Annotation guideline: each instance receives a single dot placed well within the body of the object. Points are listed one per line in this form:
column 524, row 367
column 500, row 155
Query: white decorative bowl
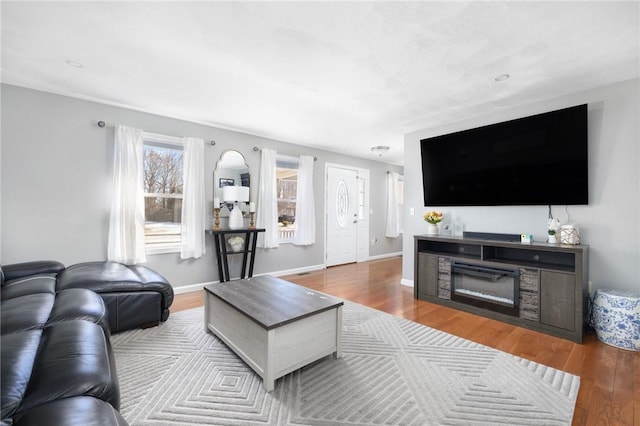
column 236, row 244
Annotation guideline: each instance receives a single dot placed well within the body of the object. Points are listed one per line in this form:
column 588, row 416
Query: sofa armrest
column 25, row 269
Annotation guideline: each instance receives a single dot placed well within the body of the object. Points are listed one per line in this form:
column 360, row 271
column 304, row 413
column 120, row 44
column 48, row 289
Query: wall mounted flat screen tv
column 536, row 160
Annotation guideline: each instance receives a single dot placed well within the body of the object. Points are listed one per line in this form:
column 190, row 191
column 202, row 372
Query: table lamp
column 235, row 194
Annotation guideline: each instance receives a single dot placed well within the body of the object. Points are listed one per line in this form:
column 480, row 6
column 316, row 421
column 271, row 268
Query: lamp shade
column 235, row 193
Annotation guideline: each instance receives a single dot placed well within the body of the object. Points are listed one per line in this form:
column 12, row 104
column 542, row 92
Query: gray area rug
column 393, row 372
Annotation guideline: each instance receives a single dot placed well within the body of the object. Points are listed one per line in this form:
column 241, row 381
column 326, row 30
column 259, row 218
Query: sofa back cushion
column 28, row 285
column 26, row 313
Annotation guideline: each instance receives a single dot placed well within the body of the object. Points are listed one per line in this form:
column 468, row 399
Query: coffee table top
column 270, row 301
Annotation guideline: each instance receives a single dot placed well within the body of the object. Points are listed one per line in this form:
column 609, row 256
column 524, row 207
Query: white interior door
column 342, row 215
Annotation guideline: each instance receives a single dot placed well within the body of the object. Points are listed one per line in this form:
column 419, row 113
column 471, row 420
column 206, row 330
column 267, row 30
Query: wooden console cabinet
column 552, row 279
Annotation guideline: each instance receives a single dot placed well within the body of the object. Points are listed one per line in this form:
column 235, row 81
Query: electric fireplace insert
column 496, row 289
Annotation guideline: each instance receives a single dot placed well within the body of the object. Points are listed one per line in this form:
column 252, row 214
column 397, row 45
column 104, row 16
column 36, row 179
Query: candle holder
column 216, row 218
column 251, row 222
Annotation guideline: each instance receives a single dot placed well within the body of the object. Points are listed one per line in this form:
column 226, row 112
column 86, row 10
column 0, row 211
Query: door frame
column 362, row 230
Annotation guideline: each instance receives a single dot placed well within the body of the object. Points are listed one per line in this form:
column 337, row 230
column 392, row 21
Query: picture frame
column 226, row 182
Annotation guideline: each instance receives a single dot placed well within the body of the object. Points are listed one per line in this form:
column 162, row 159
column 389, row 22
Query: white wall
column 56, row 185
column 610, row 224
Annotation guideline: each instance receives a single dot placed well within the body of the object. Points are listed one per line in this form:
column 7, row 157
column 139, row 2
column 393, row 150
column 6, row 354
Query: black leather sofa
column 57, row 366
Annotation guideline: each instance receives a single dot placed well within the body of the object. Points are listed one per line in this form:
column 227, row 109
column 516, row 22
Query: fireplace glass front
column 495, row 289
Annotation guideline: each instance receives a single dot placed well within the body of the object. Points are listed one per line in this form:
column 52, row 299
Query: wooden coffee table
column 275, row 326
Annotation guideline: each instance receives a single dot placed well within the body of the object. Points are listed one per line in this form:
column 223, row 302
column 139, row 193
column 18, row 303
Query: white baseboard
column 191, row 287
column 196, row 287
column 408, row 283
column 295, row 271
column 384, row 256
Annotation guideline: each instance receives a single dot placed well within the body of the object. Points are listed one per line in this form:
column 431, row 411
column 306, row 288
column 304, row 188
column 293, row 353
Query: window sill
column 163, row 249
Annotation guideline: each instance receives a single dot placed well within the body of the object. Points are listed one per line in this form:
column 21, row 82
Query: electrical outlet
column 412, row 211
column 590, row 287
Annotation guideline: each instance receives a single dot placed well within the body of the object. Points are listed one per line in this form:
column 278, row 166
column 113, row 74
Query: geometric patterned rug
column 392, row 372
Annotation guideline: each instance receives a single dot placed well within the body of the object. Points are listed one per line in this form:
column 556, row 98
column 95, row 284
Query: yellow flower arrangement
column 433, row 217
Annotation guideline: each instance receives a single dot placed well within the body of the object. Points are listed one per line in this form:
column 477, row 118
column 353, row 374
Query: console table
column 552, row 278
column 248, row 251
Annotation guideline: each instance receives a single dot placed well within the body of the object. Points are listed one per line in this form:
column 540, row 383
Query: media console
column 539, row 286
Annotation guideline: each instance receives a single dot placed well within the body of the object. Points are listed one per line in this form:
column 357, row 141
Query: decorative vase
column 552, row 239
column 569, row 235
column 432, row 229
column 236, row 220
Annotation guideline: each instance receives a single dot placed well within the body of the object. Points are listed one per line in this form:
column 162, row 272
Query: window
column 287, row 186
column 163, row 184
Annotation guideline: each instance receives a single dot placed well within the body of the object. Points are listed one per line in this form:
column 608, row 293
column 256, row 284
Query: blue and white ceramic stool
column 616, row 318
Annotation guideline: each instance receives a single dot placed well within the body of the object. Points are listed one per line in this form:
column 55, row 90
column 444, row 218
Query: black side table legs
column 248, row 252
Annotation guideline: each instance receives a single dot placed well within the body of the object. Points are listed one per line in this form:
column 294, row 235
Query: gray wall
column 56, row 185
column 610, row 224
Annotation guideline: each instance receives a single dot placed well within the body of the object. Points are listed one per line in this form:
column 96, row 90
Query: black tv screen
column 536, row 160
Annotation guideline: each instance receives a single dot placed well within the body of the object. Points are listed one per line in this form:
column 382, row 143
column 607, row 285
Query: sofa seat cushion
column 76, row 411
column 79, row 304
column 74, row 358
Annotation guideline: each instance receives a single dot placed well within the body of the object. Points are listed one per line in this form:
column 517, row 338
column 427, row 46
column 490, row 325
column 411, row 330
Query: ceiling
column 342, row 76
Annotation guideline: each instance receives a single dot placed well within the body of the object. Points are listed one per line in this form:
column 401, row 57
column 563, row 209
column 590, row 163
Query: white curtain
column 193, row 201
column 126, row 222
column 305, row 206
column 267, row 211
column 393, row 223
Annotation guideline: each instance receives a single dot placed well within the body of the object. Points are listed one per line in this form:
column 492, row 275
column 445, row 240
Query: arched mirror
column 232, row 170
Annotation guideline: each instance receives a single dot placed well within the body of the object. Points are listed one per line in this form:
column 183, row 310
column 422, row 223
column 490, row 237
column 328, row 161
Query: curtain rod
column 103, row 124
column 257, row 149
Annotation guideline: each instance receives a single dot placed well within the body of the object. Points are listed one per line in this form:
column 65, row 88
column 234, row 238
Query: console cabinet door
column 557, row 299
column 427, row 275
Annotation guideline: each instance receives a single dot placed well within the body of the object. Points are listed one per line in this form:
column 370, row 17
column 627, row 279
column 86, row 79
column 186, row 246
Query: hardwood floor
column 610, row 377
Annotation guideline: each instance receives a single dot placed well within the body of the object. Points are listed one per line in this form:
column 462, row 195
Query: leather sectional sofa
column 57, row 366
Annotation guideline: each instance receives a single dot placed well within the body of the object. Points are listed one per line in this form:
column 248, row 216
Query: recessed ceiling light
column 74, row 64
column 502, row 77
